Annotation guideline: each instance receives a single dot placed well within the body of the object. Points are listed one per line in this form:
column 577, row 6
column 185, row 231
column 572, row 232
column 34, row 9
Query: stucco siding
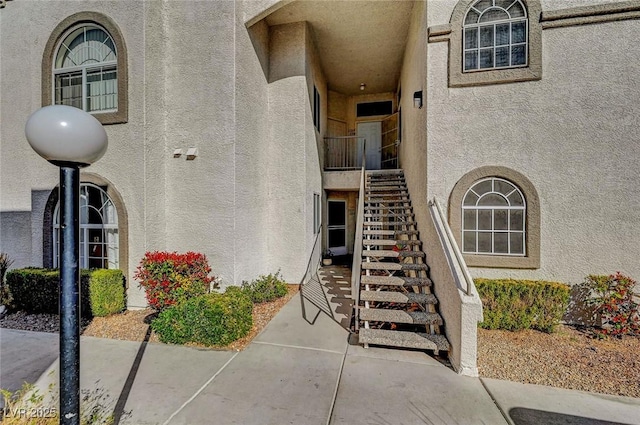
column 571, row 134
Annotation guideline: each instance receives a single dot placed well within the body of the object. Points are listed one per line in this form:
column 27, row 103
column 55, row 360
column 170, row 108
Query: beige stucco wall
column 246, row 200
column 573, row 134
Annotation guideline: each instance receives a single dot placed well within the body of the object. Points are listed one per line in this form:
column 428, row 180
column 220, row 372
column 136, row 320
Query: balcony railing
column 344, row 153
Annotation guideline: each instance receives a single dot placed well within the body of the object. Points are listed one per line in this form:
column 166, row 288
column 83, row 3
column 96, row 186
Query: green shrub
column 213, row 319
column 106, row 292
column 265, row 288
column 36, row 290
column 613, row 299
column 169, row 278
column 522, row 304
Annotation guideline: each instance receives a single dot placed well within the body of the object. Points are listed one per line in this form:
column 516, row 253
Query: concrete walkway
column 304, row 372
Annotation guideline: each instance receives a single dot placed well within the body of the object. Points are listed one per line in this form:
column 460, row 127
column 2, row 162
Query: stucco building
column 233, row 129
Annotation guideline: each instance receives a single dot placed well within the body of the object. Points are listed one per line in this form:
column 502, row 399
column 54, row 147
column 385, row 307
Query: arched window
column 494, row 213
column 85, row 70
column 495, row 35
column 493, row 218
column 84, row 65
column 99, row 238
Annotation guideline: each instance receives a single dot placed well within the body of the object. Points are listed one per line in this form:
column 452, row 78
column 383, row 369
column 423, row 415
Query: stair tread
column 389, row 242
column 398, row 297
column 399, row 207
column 389, row 223
column 400, row 316
column 395, row 281
column 403, row 339
column 393, row 214
column 393, row 266
column 389, row 232
column 390, row 253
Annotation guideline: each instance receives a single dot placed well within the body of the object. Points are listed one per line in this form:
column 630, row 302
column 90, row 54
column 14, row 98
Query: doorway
column 337, row 226
column 372, row 132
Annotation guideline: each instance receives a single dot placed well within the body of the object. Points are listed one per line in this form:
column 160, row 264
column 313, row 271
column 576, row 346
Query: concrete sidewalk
column 296, row 372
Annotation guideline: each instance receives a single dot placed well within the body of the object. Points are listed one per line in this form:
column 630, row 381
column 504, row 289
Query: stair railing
column 446, row 233
column 357, row 246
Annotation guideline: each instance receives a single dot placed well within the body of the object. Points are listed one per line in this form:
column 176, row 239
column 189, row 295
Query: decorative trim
column 122, row 114
column 437, row 33
column 532, row 259
column 584, row 15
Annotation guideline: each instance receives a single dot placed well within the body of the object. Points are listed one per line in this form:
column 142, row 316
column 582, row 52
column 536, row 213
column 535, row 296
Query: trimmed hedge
column 36, row 290
column 106, row 292
column 522, row 304
column 213, row 319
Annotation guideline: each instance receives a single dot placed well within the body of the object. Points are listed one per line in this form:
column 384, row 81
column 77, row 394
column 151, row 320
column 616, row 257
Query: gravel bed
column 569, row 358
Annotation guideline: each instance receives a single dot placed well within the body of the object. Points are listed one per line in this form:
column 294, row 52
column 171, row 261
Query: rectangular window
column 370, row 109
column 317, row 213
column 316, row 108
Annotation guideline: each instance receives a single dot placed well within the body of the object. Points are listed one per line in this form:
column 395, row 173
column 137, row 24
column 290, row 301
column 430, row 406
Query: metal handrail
column 454, row 246
column 341, row 152
column 357, row 247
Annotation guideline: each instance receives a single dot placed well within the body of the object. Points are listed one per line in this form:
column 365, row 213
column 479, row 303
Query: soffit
column 357, row 41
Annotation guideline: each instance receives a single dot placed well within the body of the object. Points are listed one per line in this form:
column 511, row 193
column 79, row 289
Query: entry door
column 337, row 227
column 372, row 132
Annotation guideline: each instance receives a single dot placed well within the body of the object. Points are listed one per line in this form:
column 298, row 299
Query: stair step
column 385, row 195
column 398, row 297
column 384, row 207
column 390, row 253
column 395, row 281
column 389, row 223
column 385, row 172
column 389, row 242
column 393, row 214
column 403, row 339
column 390, row 232
column 377, row 189
column 393, row 266
column 400, row 316
column 379, row 183
column 389, row 202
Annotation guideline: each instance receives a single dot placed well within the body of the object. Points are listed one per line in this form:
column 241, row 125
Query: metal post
column 70, row 295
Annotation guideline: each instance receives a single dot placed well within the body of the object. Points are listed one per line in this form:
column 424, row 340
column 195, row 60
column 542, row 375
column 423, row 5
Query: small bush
column 522, row 304
column 169, row 278
column 265, row 288
column 106, row 292
column 613, row 299
column 213, row 319
column 5, row 263
column 36, row 290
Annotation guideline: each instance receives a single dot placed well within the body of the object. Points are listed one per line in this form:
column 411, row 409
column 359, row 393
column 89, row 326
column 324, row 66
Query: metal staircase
column 396, row 306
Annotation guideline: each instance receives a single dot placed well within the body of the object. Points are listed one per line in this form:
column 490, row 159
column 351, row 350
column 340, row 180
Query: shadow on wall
column 523, row 416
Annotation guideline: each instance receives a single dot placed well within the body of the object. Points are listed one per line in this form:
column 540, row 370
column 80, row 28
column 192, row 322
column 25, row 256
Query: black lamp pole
column 70, row 295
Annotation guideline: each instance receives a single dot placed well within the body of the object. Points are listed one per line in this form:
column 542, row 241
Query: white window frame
column 81, row 70
column 474, row 227
column 110, row 250
column 477, row 26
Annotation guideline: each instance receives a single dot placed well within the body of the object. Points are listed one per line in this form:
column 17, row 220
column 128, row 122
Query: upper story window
column 86, row 70
column 495, row 35
column 85, row 65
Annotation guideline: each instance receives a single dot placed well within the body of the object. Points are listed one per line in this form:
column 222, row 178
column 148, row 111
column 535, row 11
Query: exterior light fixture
column 70, row 139
column 362, row 86
column 417, row 99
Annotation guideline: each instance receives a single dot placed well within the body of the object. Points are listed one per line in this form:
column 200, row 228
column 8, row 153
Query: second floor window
column 85, row 70
column 495, row 35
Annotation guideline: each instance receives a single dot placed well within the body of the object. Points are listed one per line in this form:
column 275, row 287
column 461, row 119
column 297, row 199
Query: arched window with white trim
column 495, row 35
column 85, row 70
column 493, row 218
column 99, row 238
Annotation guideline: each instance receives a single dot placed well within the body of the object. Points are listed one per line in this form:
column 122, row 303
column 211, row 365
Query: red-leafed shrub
column 613, row 298
column 169, row 278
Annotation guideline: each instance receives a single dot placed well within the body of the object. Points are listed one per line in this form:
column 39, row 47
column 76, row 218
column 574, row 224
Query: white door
column 372, row 132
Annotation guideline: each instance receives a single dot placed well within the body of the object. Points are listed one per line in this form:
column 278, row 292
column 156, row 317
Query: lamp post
column 70, row 139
